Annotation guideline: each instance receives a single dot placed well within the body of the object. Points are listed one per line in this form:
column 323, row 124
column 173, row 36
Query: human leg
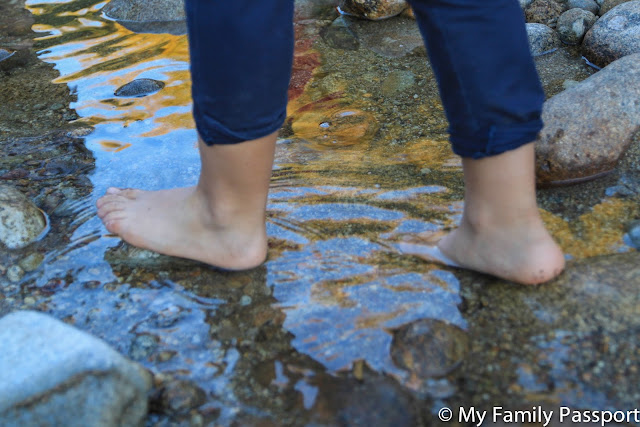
column 240, row 68
column 493, row 100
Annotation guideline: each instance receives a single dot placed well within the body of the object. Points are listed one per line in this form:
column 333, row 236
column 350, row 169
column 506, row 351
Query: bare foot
column 179, row 222
column 522, row 252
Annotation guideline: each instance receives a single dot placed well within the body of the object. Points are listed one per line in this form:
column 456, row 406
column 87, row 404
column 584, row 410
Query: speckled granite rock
column 614, row 35
column 21, row 222
column 607, row 5
column 590, row 125
column 544, row 12
column 53, row 374
column 373, row 9
column 574, row 24
column 541, row 38
column 149, row 16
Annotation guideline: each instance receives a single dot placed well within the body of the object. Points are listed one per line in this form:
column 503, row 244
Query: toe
column 113, row 190
column 130, row 193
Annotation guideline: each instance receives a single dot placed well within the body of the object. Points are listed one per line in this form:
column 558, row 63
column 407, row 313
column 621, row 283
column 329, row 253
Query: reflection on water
column 342, row 194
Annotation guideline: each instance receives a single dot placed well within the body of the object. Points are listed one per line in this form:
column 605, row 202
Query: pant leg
column 488, row 83
column 241, row 58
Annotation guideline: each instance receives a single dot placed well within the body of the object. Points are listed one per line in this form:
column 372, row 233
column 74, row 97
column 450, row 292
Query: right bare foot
column 523, row 252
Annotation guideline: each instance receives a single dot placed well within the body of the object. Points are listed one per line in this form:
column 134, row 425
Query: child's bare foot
column 523, row 252
column 178, row 222
column 220, row 222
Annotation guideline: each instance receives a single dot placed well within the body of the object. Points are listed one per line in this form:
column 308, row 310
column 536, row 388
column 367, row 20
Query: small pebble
column 15, row 273
column 31, row 262
column 245, row 300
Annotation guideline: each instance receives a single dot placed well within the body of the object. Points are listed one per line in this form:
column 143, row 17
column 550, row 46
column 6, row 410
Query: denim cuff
column 497, row 140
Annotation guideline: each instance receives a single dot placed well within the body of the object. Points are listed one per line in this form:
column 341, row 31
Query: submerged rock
column 21, row 222
column 139, row 88
column 542, row 39
column 590, row 125
column 573, row 25
column 614, row 35
column 338, row 35
column 54, row 374
column 429, row 347
column 4, row 54
column 149, row 16
column 634, row 234
column 373, row 9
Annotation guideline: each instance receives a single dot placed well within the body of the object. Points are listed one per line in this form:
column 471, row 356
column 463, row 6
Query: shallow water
column 357, row 169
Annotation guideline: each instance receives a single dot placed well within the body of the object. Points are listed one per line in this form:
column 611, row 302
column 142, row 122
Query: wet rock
column 124, row 254
column 373, row 9
column 544, row 12
column 143, row 346
column 54, row 374
column 167, row 317
column 149, row 16
column 338, row 35
column 139, row 88
column 607, row 5
column 21, row 222
column 588, row 5
column 590, row 125
column 634, row 234
column 31, row 262
column 15, row 273
column 397, row 82
column 178, row 397
column 339, row 128
column 392, row 38
column 573, row 25
column 429, row 348
column 315, row 9
column 373, row 401
column 542, row 38
column 614, row 35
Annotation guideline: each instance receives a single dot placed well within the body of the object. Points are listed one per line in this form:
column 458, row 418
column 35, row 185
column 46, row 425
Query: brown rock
column 590, row 125
column 607, row 5
column 544, row 12
column 614, row 35
column 373, row 9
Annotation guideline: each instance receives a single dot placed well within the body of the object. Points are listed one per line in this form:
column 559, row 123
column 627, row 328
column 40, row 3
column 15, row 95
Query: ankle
column 479, row 220
column 227, row 214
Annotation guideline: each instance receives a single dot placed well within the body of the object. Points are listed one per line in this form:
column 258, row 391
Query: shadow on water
column 338, row 327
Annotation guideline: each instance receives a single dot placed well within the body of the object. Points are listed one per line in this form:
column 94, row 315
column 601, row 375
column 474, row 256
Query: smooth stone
column 542, row 38
column 544, row 12
column 391, row 38
column 21, row 222
column 429, row 348
column 574, row 24
column 31, row 262
column 373, row 9
column 15, row 273
column 55, row 374
column 590, row 125
column 588, row 5
column 397, row 82
column 338, row 35
column 143, row 346
column 180, row 397
column 614, row 35
column 139, row 88
column 145, row 10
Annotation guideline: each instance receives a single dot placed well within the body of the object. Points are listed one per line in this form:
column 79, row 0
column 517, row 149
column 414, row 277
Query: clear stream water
column 350, row 180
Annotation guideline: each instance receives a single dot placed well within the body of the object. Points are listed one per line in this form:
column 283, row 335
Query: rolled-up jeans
column 242, row 52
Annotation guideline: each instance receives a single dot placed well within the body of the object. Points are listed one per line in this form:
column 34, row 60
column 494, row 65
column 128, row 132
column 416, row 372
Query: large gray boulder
column 590, row 125
column 614, row 35
column 55, row 375
column 21, row 222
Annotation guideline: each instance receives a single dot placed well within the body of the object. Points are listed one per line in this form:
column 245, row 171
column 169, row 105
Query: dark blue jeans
column 241, row 58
